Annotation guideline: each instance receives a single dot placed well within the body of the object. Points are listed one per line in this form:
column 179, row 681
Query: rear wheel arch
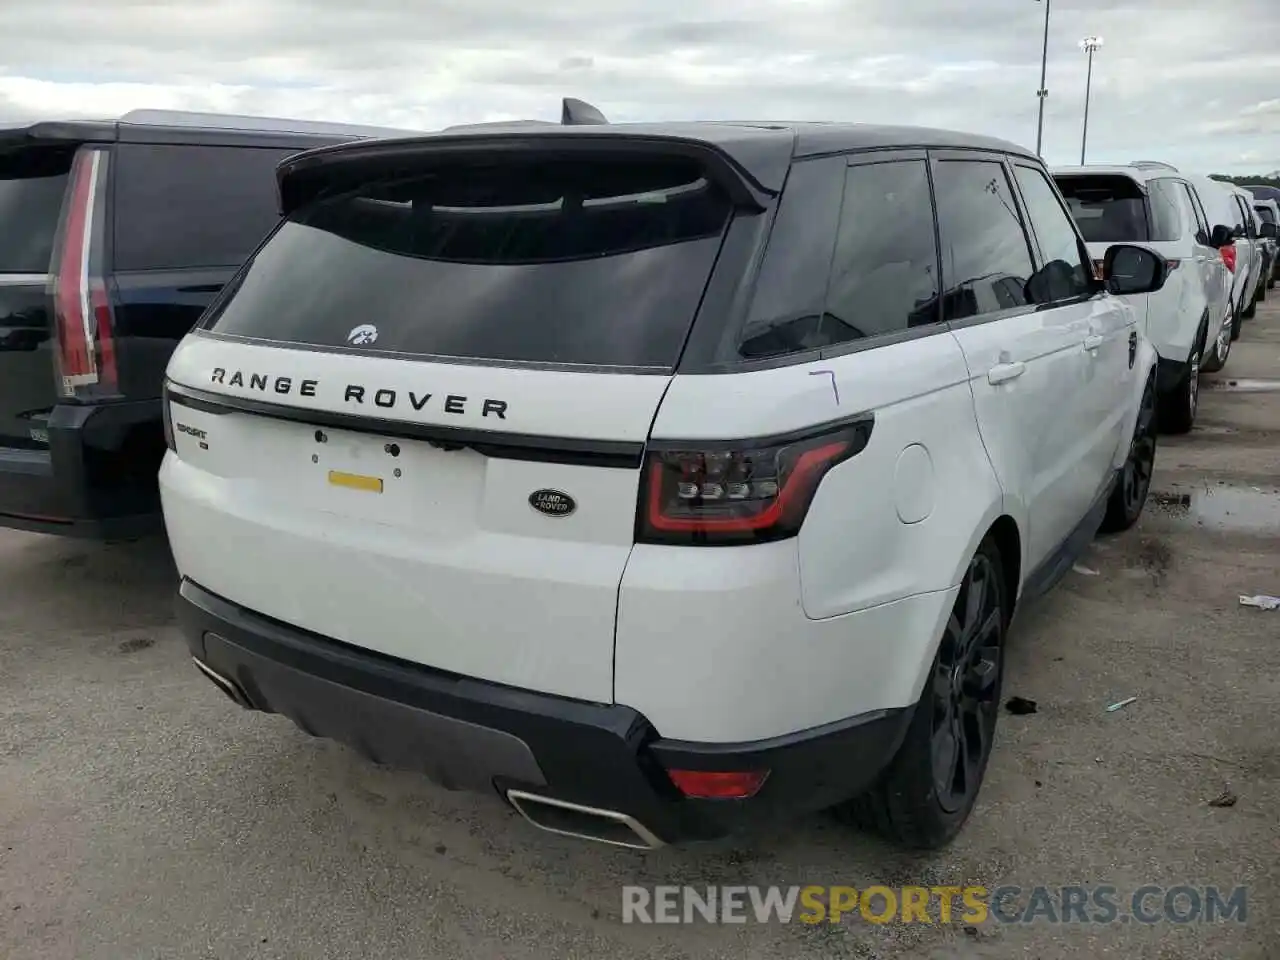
column 1004, row 531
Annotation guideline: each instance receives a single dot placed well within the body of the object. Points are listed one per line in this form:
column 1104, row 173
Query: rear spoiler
column 328, row 171
column 53, row 132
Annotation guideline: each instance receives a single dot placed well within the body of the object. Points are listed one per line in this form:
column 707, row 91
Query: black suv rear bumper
column 96, row 480
column 469, row 734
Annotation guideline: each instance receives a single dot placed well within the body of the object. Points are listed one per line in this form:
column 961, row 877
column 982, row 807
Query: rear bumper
column 96, row 480
column 469, row 734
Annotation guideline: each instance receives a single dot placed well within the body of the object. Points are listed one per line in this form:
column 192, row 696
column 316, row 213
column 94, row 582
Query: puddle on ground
column 1222, row 507
column 1244, row 386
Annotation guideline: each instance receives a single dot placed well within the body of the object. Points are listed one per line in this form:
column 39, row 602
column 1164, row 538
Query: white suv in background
column 1223, row 210
column 1189, row 320
column 655, row 477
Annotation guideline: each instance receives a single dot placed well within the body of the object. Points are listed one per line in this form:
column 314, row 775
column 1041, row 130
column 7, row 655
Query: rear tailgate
column 417, row 424
column 33, row 182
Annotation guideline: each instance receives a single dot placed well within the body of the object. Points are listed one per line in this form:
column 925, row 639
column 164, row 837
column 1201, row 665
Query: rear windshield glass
column 596, row 262
column 31, row 187
column 1107, row 209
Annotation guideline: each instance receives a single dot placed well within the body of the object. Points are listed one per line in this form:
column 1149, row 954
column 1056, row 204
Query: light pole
column 1043, row 93
column 1088, row 45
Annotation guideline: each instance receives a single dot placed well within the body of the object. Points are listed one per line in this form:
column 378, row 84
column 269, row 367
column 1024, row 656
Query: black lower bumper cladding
column 588, row 769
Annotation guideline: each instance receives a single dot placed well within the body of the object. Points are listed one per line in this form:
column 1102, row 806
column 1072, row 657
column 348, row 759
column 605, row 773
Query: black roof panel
column 763, row 149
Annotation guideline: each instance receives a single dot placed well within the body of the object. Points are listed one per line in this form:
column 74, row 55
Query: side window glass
column 179, row 207
column 1064, row 274
column 986, row 261
column 1202, row 222
column 884, row 275
column 787, row 305
column 1166, row 216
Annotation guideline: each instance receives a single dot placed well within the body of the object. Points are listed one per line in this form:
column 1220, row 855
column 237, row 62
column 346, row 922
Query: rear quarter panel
column 893, row 521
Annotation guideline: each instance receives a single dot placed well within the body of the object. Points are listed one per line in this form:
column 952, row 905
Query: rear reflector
column 86, row 349
column 718, row 784
column 1228, row 257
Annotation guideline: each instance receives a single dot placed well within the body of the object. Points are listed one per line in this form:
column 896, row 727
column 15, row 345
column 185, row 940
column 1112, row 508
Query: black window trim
column 1203, row 226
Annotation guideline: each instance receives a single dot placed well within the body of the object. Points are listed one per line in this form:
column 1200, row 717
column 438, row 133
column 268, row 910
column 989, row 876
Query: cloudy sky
column 1190, row 81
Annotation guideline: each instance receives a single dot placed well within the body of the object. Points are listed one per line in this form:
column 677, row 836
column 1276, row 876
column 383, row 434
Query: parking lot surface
column 143, row 815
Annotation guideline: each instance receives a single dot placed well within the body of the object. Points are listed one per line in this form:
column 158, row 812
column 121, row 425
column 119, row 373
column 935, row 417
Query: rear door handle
column 1004, row 372
column 1093, row 341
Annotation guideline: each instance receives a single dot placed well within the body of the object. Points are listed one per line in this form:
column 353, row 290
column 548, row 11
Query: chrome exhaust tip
column 583, row 823
column 228, row 686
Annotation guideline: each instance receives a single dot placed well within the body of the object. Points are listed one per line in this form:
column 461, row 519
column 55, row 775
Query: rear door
column 1027, row 365
column 33, row 182
column 416, row 423
column 1062, row 285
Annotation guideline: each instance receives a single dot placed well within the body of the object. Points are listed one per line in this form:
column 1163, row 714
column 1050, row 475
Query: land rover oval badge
column 552, row 503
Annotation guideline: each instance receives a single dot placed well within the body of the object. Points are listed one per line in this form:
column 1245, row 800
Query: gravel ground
column 142, row 815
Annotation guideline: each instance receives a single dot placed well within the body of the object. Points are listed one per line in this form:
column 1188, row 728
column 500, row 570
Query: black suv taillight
column 720, row 494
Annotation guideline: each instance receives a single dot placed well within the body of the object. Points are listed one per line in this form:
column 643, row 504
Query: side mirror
column 1267, row 231
column 1128, row 270
column 1221, row 237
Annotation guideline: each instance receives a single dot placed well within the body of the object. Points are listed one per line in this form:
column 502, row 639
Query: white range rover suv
column 656, row 478
column 1189, row 320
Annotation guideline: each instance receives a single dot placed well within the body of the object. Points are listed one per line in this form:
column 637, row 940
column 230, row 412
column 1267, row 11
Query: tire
column 908, row 804
column 1235, row 321
column 1217, row 356
column 1249, row 311
column 1124, row 507
column 1177, row 408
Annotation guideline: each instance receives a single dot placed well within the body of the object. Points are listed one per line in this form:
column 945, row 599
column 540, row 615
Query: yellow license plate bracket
column 355, row 481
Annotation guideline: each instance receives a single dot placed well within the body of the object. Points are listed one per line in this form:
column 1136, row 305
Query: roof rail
column 1153, row 164
column 499, row 124
column 227, row 121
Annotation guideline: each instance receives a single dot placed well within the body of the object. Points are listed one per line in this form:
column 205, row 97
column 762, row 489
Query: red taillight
column 718, row 784
column 746, row 492
column 82, row 310
column 1229, row 257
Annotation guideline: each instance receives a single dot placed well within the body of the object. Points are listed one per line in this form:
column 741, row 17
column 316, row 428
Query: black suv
column 114, row 236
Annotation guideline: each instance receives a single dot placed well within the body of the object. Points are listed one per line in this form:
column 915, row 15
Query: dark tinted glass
column 1063, row 274
column 1265, row 214
column 179, row 207
column 792, row 283
column 884, row 275
column 584, row 262
column 1108, row 209
column 1166, row 212
column 985, row 259
column 32, row 184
